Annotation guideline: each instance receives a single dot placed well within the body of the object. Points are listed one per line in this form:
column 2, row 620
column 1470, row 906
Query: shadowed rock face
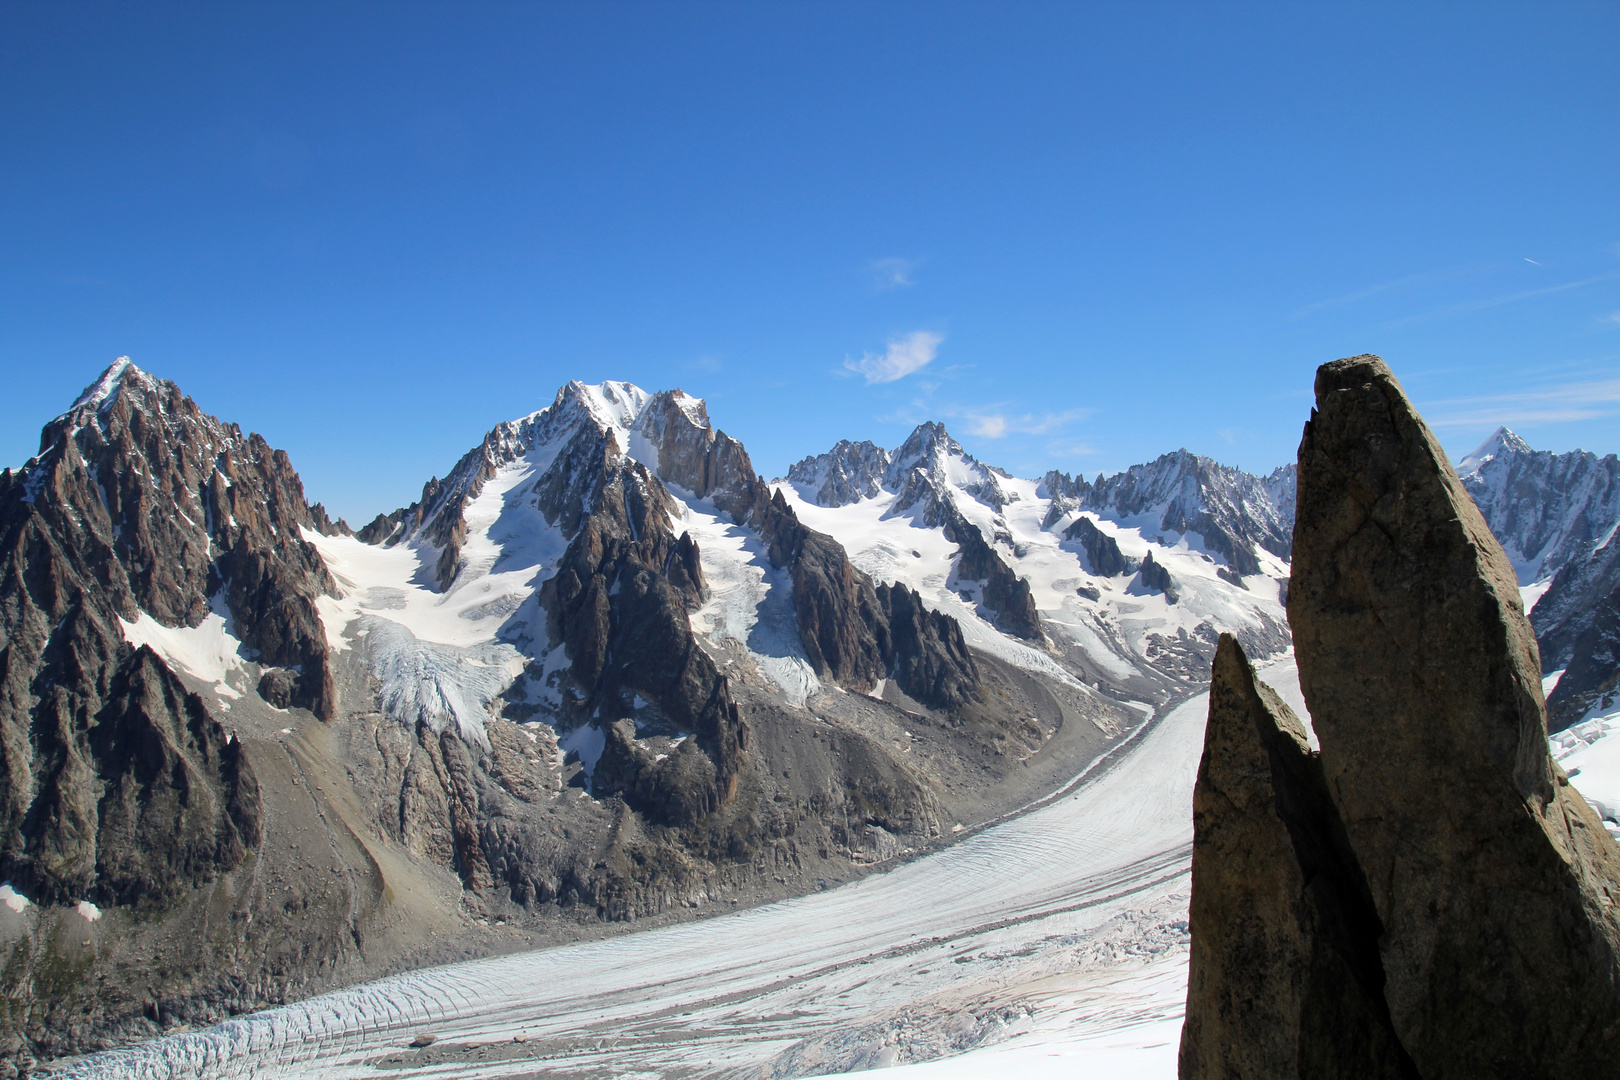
column 1285, row 976
column 857, row 633
column 843, row 620
column 1493, row 881
column 924, row 650
column 115, row 783
column 1005, row 594
column 1155, row 577
column 619, row 601
column 1103, row 556
column 1579, row 624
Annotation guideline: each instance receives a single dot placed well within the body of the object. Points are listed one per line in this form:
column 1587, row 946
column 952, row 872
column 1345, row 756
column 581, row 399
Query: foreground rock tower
column 1427, row 897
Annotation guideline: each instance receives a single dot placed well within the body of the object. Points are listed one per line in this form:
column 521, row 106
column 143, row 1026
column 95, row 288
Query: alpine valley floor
column 1052, row 938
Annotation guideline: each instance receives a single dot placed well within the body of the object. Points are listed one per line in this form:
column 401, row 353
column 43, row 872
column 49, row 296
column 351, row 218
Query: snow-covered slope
column 1131, row 623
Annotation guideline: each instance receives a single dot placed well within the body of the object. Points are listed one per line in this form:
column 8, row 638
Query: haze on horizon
column 1081, row 236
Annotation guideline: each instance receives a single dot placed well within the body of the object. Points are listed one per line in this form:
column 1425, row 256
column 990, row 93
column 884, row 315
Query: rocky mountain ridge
column 1556, row 516
column 140, row 509
column 1043, row 561
column 600, row 671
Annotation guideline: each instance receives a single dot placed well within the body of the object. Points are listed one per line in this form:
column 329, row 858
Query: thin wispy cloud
column 1506, row 298
column 904, row 356
column 996, row 423
column 1612, row 318
column 1531, row 261
column 1070, row 448
column 1588, row 399
column 1428, row 277
column 892, row 273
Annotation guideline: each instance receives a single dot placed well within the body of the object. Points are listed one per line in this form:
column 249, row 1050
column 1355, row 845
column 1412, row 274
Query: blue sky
column 1081, row 235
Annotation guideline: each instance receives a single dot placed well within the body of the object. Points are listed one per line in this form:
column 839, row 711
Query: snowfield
column 1054, row 941
column 1114, row 627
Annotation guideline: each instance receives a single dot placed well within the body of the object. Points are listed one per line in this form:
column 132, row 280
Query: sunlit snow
column 208, row 650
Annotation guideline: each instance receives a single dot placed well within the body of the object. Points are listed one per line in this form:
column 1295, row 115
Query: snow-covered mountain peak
column 1545, row 508
column 1502, row 442
column 846, row 474
column 613, row 405
column 100, row 393
column 928, row 469
column 121, row 378
column 931, row 467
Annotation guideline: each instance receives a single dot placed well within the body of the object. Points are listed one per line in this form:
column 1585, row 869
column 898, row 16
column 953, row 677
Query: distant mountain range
column 1556, row 516
column 599, row 671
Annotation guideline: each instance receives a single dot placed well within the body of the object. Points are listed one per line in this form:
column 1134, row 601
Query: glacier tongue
column 437, row 684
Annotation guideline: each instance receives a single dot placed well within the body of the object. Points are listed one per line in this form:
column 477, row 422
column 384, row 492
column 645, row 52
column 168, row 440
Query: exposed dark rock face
column 1237, row 515
column 691, row 453
column 115, row 783
column 1592, row 679
column 1285, row 976
column 843, row 626
column 1578, row 626
column 1004, row 594
column 1103, row 556
column 924, row 650
column 1155, row 577
column 323, row 524
column 167, row 507
column 1557, row 515
column 1493, row 881
column 835, row 603
column 857, row 634
column 926, row 473
column 625, row 625
column 179, row 802
column 846, row 474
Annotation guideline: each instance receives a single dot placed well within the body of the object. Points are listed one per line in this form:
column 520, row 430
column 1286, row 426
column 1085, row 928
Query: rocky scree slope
column 1556, row 516
column 1427, row 896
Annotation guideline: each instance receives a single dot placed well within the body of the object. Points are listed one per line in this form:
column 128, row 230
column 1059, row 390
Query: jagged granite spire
column 1285, row 979
column 1494, row 882
column 116, row 783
